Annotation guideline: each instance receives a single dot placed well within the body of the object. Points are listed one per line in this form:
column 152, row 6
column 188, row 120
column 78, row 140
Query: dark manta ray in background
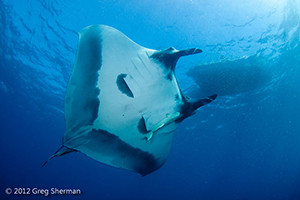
column 123, row 102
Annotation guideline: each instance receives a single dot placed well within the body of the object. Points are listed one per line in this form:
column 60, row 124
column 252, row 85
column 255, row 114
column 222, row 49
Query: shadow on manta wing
column 231, row 77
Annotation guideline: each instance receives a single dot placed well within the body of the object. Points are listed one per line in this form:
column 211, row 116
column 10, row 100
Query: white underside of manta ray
column 123, row 102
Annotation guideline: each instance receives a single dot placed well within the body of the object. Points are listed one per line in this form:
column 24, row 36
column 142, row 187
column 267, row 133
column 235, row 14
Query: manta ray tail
column 59, row 152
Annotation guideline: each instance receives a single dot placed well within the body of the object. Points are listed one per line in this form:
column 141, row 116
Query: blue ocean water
column 244, row 145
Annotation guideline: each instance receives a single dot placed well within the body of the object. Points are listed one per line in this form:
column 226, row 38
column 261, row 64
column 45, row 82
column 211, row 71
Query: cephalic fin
column 170, row 56
column 203, row 102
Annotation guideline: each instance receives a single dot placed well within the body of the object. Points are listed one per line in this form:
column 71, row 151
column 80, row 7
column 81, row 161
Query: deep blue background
column 244, row 145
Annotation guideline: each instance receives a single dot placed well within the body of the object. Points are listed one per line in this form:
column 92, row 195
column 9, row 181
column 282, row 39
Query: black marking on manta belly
column 140, row 161
column 142, row 126
column 169, row 76
column 122, row 85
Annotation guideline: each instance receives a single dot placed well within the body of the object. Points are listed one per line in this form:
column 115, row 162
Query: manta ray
column 123, row 102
